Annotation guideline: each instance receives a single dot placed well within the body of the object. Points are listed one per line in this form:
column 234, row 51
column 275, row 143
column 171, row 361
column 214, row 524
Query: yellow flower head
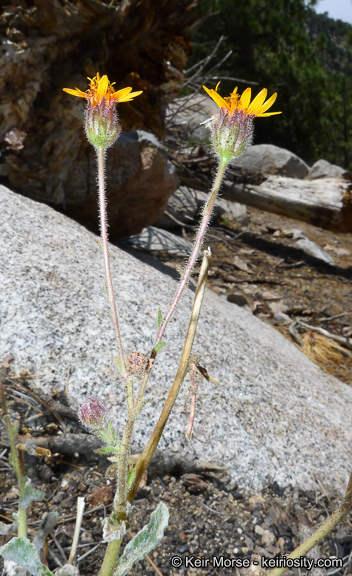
column 242, row 103
column 102, row 123
column 101, row 88
column 232, row 128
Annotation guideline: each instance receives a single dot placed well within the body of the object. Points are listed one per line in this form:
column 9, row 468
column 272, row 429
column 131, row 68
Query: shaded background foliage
column 287, row 47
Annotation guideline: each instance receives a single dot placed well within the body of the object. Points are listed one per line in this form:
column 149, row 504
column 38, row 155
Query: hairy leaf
column 30, row 494
column 46, row 525
column 22, row 551
column 7, row 529
column 145, row 541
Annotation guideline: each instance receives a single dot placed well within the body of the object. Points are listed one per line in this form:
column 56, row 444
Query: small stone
column 256, row 502
column 59, row 496
column 237, row 298
column 268, row 538
column 249, row 543
column 284, row 542
column 86, row 538
column 68, row 502
column 282, row 319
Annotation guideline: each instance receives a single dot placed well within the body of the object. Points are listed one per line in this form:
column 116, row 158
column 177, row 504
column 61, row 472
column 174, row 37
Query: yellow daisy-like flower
column 101, row 88
column 102, row 125
column 236, row 102
column 232, row 128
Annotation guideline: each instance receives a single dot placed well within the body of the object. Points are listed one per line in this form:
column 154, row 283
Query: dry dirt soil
column 309, row 301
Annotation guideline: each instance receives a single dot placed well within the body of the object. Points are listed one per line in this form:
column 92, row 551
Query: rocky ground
column 257, row 265
column 209, row 515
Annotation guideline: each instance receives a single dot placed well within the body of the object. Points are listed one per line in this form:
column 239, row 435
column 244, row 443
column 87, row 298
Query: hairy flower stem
column 192, row 259
column 147, row 454
column 208, row 208
column 123, row 461
column 104, row 240
column 17, row 464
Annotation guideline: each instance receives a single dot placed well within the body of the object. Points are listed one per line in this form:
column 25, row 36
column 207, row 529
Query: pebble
column 86, row 538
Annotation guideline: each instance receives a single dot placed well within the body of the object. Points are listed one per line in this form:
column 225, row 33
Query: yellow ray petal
column 267, row 104
column 268, row 114
column 102, row 87
column 134, row 94
column 121, row 93
column 257, row 102
column 76, row 92
column 245, row 99
column 217, row 98
column 128, row 97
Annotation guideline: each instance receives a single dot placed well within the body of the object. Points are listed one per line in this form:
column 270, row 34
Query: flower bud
column 102, row 125
column 136, row 363
column 232, row 134
column 92, row 414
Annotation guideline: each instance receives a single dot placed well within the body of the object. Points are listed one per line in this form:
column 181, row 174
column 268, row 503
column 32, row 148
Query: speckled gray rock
column 271, row 159
column 323, row 169
column 274, row 416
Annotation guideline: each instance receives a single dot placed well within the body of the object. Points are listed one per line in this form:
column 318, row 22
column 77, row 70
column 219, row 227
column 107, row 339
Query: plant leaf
column 118, row 363
column 29, row 494
column 145, row 541
column 7, row 529
column 22, row 551
column 160, row 318
column 130, row 477
column 108, row 450
column 159, row 346
column 46, row 525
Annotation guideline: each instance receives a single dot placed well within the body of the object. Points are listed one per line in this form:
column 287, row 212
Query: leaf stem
column 111, row 554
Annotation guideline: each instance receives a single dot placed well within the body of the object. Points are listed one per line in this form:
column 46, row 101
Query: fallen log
column 325, row 202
